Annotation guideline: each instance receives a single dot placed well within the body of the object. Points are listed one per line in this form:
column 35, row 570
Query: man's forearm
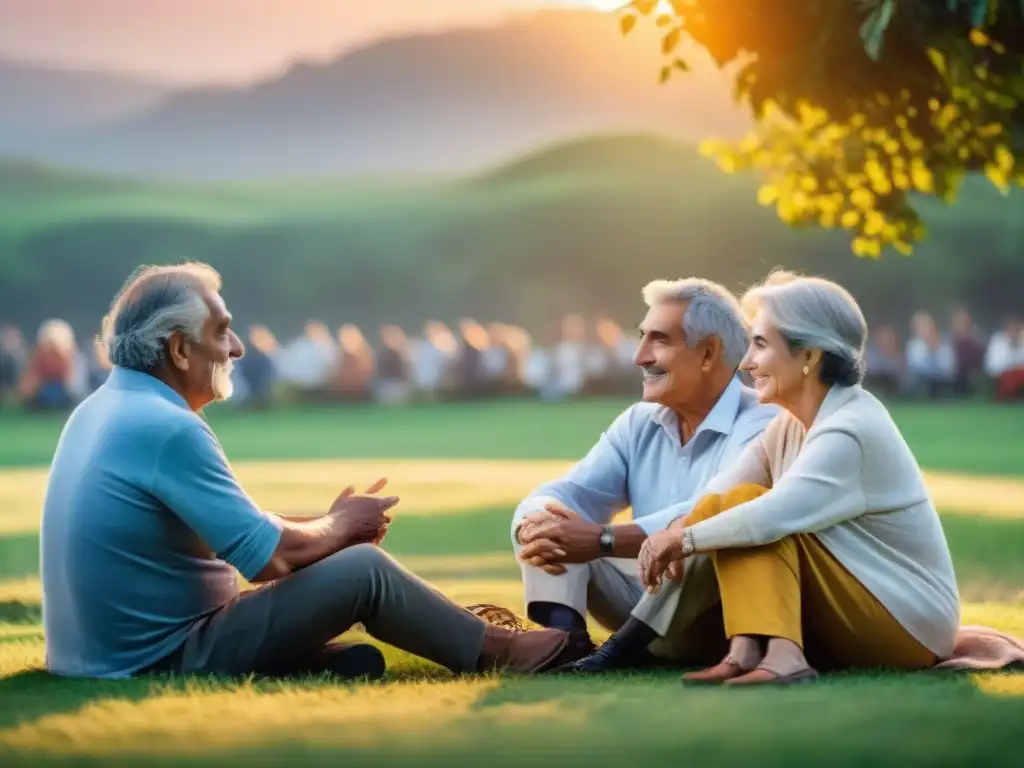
column 628, row 540
column 301, row 545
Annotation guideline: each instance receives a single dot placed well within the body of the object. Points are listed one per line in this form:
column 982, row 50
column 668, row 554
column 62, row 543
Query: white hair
column 711, row 310
column 814, row 313
column 154, row 303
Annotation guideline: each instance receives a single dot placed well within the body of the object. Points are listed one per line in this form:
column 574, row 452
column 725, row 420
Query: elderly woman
column 823, row 530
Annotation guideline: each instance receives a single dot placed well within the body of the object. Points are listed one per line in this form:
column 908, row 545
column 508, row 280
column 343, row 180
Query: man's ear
column 712, row 353
column 178, row 348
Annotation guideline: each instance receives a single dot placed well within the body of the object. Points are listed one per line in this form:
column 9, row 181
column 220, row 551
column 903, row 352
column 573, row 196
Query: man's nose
column 642, row 356
column 237, row 347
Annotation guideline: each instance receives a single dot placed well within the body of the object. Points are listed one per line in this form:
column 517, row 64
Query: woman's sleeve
column 821, row 489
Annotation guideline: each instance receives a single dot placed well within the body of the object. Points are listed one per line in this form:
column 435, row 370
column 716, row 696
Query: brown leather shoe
column 501, row 616
column 716, row 675
column 525, row 652
column 762, row 676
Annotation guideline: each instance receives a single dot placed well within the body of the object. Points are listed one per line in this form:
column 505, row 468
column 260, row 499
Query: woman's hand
column 660, row 555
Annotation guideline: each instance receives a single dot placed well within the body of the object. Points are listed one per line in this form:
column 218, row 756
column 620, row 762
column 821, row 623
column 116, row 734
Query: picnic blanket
column 980, row 648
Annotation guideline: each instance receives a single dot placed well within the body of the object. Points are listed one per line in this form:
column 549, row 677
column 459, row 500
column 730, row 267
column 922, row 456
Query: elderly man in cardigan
column 696, row 417
column 145, row 530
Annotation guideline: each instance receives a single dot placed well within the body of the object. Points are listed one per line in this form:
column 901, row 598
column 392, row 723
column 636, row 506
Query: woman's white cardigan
column 852, row 481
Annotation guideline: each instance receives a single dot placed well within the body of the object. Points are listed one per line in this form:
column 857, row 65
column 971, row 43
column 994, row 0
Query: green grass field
column 459, row 469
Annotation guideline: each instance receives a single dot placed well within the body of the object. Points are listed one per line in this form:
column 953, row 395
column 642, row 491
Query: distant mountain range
column 437, row 103
column 38, row 104
column 579, row 224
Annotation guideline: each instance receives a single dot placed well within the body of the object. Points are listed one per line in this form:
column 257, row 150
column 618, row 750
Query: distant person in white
column 823, row 534
column 696, row 419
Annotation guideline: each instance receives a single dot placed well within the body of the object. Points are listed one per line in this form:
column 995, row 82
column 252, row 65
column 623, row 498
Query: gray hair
column 814, row 313
column 154, row 303
column 712, row 310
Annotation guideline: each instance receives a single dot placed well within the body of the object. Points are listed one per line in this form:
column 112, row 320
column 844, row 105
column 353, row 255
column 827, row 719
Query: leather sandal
column 762, row 675
column 721, row 673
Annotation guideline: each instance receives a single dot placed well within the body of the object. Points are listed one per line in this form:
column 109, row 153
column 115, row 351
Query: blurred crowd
column 473, row 360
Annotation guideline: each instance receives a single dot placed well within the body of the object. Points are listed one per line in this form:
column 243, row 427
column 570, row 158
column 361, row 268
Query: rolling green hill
column 577, row 226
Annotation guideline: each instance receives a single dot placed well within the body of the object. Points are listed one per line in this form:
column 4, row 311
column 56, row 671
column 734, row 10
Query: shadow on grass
column 36, row 693
column 921, row 719
column 19, row 555
column 20, row 612
column 33, row 694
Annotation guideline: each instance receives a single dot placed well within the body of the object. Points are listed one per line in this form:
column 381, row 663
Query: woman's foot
column 744, row 655
column 783, row 664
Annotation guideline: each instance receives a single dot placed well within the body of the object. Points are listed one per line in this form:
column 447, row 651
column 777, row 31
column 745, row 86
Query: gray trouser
column 685, row 614
column 280, row 628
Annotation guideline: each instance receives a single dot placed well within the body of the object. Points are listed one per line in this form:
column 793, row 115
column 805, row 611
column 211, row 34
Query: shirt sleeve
column 596, row 487
column 743, row 461
column 821, row 489
column 193, row 479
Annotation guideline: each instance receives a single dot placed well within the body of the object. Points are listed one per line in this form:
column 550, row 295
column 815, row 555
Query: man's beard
column 221, row 383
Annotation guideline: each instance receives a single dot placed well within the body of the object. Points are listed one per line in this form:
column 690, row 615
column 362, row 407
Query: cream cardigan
column 851, row 480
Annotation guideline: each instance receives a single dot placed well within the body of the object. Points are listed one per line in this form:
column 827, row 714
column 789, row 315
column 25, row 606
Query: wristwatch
column 688, row 546
column 607, row 541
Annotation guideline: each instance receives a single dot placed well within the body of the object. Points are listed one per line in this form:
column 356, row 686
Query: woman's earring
column 807, row 370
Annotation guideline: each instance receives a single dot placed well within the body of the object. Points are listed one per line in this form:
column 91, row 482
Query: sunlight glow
column 613, row 5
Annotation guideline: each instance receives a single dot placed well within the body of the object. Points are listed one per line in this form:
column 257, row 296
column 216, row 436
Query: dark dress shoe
column 353, row 662
column 347, row 662
column 610, row 657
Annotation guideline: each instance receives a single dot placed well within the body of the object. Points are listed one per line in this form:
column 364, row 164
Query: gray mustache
column 650, row 370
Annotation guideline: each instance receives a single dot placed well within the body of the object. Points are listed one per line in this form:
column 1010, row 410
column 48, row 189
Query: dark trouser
column 283, row 627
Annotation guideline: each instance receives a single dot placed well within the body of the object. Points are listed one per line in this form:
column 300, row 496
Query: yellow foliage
column 1004, row 159
column 728, row 163
column 863, row 246
column 923, row 179
column 711, row 147
column 809, row 184
column 767, row 194
column 998, row 178
column 874, row 223
column 786, row 210
column 863, row 198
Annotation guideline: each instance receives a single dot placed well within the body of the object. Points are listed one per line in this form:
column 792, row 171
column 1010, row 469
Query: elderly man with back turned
column 145, row 529
column 697, row 417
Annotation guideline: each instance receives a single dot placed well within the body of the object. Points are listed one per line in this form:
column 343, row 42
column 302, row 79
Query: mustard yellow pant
column 796, row 587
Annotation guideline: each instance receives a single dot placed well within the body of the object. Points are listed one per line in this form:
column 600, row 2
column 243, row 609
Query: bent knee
column 741, row 494
column 361, row 557
column 715, row 503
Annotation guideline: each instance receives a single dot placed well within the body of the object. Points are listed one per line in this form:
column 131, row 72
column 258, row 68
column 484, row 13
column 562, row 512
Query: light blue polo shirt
column 641, row 462
column 144, row 526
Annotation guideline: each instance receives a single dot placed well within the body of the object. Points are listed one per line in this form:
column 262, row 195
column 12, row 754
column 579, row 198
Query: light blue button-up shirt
column 641, row 462
column 144, row 526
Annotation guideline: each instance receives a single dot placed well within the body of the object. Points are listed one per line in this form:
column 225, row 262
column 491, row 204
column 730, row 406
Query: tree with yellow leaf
column 861, row 105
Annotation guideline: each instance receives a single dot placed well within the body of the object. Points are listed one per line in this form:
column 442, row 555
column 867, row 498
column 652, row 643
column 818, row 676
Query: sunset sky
column 193, row 41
